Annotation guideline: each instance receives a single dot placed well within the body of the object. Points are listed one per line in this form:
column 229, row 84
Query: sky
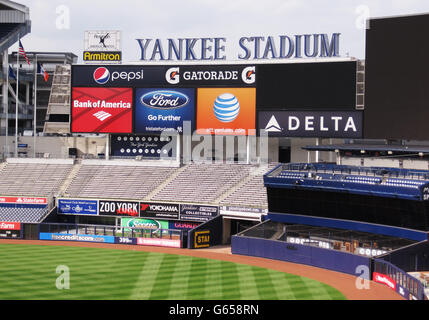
column 59, row 25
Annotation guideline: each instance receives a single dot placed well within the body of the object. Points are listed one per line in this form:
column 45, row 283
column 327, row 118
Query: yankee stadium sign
column 256, row 47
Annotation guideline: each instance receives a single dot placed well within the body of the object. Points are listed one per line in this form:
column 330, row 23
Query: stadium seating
column 203, row 183
column 33, row 179
column 116, row 182
column 23, row 215
column 251, row 193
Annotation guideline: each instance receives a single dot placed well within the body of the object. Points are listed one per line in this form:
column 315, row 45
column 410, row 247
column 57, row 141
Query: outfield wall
column 301, row 254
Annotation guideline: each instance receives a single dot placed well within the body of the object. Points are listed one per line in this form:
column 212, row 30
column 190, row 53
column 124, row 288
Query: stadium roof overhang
column 17, row 18
column 375, row 148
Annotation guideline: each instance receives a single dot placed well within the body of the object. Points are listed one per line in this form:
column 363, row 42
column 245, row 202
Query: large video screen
column 163, row 109
column 226, row 111
column 397, row 78
column 307, row 86
column 102, row 110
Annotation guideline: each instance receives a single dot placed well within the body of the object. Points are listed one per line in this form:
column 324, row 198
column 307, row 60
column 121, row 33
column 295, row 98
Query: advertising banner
column 202, row 239
column 381, row 278
column 181, row 225
column 102, row 56
column 23, row 200
column 159, row 110
column 144, row 146
column 10, row 226
column 102, row 110
column 311, row 124
column 159, row 242
column 125, row 240
column 102, row 40
column 145, row 224
column 77, row 206
column 226, row 111
column 118, row 76
column 159, row 210
column 10, row 234
column 76, row 237
column 118, row 208
column 189, row 212
column 214, row 75
column 243, row 212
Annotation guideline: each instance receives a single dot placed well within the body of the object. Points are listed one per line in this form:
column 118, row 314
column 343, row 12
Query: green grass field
column 29, row 272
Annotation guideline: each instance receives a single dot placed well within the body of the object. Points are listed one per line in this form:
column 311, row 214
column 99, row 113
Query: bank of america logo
column 101, row 115
column 273, row 125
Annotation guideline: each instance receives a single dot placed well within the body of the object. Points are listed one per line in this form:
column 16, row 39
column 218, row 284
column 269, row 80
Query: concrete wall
column 57, row 147
column 296, row 253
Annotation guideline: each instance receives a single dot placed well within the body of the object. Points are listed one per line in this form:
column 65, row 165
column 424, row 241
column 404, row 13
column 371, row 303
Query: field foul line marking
column 286, row 293
column 147, row 277
column 247, row 283
column 179, row 281
column 213, row 276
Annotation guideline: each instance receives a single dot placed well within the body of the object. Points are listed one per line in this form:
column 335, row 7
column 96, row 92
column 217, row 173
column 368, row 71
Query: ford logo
column 164, row 99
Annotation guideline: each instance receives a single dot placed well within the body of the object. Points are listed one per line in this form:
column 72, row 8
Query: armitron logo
column 101, row 115
column 164, row 99
column 101, row 75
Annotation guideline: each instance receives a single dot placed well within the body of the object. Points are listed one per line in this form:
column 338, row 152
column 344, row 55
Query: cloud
column 231, row 19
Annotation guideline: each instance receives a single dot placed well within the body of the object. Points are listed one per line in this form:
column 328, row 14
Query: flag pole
column 16, row 99
column 35, row 106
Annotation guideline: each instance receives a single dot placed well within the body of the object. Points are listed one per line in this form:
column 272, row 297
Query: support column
column 5, row 97
column 107, row 155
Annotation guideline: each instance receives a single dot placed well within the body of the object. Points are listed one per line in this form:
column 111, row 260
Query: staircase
column 164, row 183
column 73, row 173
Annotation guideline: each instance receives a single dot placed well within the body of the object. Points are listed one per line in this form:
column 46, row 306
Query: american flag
column 22, row 52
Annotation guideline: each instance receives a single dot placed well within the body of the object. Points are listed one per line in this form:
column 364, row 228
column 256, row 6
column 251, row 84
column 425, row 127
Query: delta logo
column 101, row 75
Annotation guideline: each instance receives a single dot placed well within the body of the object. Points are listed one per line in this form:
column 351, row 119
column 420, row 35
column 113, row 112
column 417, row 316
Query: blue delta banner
column 77, row 206
column 159, row 110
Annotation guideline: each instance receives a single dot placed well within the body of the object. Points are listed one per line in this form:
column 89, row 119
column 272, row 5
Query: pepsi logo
column 226, row 107
column 101, row 75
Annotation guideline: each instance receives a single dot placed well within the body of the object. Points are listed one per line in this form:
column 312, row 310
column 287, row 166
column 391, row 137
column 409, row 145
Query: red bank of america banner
column 102, row 110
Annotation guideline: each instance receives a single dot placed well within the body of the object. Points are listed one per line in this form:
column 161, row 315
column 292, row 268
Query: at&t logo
column 226, row 107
